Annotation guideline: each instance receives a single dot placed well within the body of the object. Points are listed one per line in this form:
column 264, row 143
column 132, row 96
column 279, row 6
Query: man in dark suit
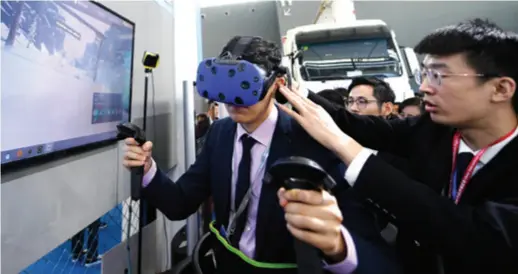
column 457, row 205
column 236, row 154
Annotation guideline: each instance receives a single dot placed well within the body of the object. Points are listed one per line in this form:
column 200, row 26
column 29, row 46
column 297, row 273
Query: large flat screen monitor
column 66, row 76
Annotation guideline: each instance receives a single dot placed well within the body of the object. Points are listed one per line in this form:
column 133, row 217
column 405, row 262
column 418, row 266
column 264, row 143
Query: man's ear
column 387, row 108
column 504, row 89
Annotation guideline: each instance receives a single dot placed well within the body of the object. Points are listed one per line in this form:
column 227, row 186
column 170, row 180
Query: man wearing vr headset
column 237, row 152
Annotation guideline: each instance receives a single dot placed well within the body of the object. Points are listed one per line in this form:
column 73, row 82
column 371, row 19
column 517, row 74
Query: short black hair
column 343, row 91
column 333, row 96
column 488, row 48
column 381, row 89
column 414, row 101
column 259, row 51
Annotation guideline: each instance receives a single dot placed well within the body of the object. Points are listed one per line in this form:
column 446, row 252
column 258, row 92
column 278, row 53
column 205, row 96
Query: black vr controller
column 302, row 173
column 129, row 130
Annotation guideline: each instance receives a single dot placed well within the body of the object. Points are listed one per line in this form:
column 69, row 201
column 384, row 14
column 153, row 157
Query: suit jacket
column 211, row 175
column 479, row 235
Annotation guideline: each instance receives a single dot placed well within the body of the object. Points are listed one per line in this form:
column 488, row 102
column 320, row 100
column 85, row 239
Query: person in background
column 411, row 107
column 200, row 130
column 371, row 96
column 395, row 111
column 91, row 251
column 213, row 111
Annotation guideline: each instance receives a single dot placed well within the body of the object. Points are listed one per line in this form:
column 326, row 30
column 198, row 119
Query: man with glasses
column 457, row 204
column 370, row 96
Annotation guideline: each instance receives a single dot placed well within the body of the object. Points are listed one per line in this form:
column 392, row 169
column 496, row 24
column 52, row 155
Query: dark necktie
column 463, row 160
column 242, row 186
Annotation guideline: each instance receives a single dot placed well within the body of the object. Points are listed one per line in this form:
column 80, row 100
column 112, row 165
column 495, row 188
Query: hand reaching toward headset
column 314, row 217
column 319, row 124
column 314, row 119
column 137, row 155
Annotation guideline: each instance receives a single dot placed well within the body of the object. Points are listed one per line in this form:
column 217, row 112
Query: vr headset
column 231, row 80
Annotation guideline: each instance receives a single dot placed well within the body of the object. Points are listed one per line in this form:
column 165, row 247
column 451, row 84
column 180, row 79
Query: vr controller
column 129, row 130
column 299, row 173
column 302, row 173
column 236, row 82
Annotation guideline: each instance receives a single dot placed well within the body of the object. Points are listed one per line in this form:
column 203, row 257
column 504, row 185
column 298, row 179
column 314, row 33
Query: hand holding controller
column 138, row 151
column 137, row 156
column 312, row 214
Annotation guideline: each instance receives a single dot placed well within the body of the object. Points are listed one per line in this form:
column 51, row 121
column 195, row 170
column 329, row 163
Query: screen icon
column 48, row 148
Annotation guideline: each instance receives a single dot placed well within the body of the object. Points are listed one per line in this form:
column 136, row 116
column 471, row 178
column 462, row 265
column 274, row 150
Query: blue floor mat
column 59, row 260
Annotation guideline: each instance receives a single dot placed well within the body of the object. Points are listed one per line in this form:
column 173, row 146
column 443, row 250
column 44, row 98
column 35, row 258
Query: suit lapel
column 223, row 169
column 280, row 147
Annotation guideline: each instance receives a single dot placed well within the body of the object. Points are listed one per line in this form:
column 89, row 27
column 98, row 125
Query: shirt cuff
column 149, row 175
column 351, row 261
column 353, row 170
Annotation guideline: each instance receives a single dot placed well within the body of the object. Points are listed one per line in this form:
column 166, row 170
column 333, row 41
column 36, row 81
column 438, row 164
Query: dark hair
column 203, row 116
column 381, row 89
column 333, row 96
column 414, row 101
column 343, row 91
column 263, row 53
column 202, row 126
column 488, row 49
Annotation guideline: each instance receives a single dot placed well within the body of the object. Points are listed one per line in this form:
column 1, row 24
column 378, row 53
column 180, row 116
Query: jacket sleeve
column 181, row 199
column 481, row 237
column 374, row 132
column 374, row 254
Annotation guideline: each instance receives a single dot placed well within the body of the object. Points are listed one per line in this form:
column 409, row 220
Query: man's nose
column 426, row 88
column 353, row 107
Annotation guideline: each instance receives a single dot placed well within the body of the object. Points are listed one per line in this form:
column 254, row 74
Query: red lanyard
column 471, row 167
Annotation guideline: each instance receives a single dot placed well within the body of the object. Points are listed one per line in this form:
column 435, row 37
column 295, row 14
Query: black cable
column 128, row 248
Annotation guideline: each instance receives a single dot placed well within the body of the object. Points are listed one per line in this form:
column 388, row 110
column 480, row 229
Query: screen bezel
column 59, row 154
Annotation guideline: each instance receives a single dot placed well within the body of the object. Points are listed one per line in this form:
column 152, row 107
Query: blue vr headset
column 229, row 79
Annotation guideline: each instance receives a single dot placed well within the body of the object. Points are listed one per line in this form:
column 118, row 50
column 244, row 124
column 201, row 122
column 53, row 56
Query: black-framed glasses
column 435, row 77
column 361, row 102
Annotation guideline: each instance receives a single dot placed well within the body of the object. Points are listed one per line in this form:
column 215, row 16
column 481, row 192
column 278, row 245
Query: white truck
column 337, row 48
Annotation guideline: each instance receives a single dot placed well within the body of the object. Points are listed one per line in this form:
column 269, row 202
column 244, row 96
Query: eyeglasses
column 361, row 102
column 435, row 77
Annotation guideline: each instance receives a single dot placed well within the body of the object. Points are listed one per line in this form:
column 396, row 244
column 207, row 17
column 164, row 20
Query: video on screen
column 66, row 76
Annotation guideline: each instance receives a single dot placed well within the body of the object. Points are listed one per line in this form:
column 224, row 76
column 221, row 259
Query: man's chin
column 237, row 117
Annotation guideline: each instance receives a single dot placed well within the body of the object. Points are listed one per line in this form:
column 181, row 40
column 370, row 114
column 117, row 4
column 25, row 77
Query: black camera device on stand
column 302, row 173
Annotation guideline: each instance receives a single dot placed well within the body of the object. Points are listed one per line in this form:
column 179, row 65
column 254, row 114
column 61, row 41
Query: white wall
column 43, row 206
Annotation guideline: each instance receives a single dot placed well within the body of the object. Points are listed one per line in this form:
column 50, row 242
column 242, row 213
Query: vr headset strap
column 241, row 45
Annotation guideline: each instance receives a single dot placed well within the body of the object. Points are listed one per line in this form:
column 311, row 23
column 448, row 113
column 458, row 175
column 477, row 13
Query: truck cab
column 328, row 55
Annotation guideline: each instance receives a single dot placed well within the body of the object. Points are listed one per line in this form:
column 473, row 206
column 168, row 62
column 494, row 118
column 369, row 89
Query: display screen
column 66, row 76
